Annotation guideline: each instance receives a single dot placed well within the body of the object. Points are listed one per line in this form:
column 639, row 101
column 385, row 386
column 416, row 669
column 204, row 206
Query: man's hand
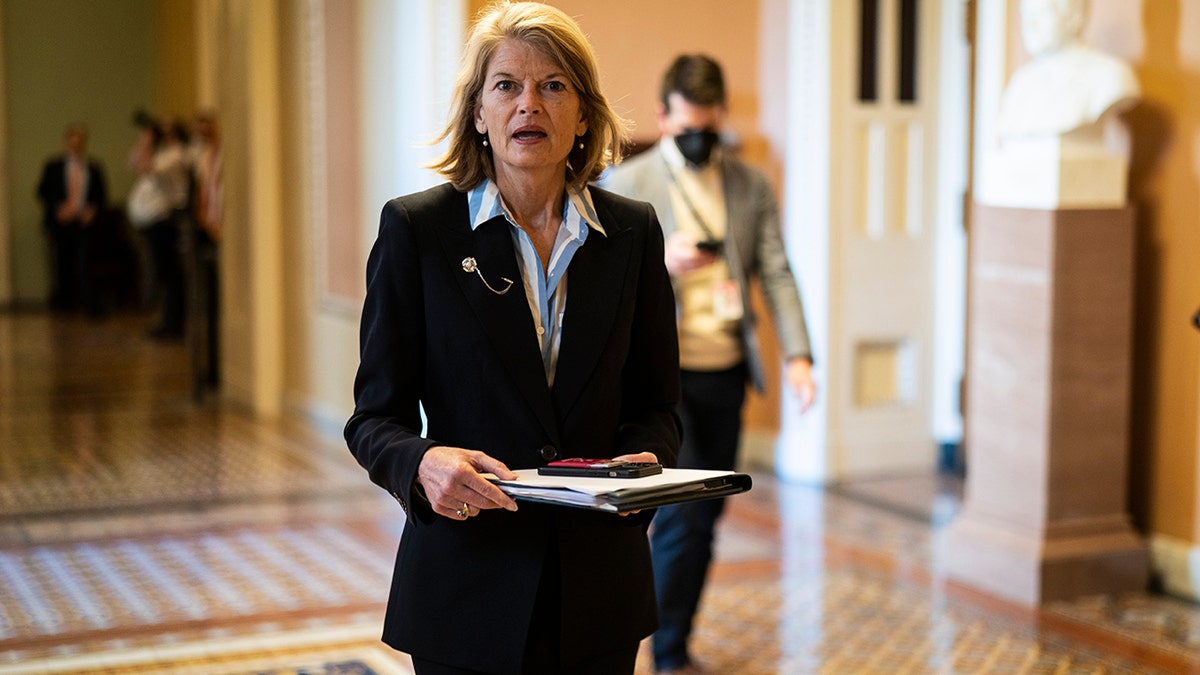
column 799, row 378
column 65, row 212
column 682, row 255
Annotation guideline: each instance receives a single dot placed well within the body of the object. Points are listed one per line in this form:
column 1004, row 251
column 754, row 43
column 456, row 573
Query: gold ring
column 465, row 511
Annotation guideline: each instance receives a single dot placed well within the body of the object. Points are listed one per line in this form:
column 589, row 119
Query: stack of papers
column 617, row 495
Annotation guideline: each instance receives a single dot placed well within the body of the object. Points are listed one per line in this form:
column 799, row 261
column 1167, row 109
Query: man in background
column 73, row 193
column 721, row 224
column 209, row 213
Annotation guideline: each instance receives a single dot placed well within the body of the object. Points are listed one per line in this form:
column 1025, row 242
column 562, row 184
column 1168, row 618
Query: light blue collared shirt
column 546, row 292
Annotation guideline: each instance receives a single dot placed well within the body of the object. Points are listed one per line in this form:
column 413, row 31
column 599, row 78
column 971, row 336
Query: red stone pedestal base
column 1047, row 407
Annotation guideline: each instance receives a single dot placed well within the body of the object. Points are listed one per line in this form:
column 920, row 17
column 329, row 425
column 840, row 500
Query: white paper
column 588, row 491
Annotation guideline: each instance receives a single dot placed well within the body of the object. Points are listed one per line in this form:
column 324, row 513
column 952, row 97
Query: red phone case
column 600, row 468
column 584, row 463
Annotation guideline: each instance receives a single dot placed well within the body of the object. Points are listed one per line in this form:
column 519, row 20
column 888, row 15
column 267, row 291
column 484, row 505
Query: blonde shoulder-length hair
column 551, row 31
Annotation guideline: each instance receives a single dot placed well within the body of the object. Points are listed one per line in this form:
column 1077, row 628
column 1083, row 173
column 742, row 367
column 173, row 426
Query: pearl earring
column 580, row 145
column 485, row 143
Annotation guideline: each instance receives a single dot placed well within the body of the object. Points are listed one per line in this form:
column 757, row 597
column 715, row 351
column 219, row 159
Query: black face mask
column 696, row 145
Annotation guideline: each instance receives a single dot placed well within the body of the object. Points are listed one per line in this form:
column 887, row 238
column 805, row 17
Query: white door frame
column 881, row 269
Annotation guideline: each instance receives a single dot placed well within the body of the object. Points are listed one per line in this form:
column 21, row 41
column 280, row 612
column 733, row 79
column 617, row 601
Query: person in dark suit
column 723, row 232
column 529, row 318
column 73, row 193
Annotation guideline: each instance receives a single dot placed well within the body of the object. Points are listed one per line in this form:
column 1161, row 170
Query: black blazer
column 52, row 189
column 435, row 335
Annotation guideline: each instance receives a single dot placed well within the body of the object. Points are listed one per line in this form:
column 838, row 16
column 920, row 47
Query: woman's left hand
column 638, row 457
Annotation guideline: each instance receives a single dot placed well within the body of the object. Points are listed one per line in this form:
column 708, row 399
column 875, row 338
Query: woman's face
column 528, row 110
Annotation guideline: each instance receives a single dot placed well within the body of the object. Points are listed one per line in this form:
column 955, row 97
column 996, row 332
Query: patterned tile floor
column 142, row 532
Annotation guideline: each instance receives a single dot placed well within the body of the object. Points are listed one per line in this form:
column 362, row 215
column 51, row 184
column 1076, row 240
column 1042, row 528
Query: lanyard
column 688, row 201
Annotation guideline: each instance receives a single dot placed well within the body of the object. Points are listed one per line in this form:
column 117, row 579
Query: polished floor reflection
column 142, row 531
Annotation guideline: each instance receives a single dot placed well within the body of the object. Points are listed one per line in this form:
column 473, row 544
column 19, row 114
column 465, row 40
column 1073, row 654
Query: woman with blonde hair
column 531, row 318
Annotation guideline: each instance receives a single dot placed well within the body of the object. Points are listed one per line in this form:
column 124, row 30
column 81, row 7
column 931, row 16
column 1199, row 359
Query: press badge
column 727, row 301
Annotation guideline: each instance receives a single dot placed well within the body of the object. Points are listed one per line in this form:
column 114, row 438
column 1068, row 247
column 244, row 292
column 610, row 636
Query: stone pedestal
column 1047, row 407
column 1041, row 176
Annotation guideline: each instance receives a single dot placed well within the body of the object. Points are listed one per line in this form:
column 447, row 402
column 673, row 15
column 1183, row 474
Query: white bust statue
column 1061, row 142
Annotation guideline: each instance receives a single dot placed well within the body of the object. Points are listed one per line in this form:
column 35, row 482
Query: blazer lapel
column 594, row 288
column 657, row 185
column 504, row 317
column 737, row 210
column 740, row 240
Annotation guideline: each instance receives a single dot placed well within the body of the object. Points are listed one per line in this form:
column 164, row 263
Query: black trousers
column 72, row 261
column 681, row 539
column 162, row 238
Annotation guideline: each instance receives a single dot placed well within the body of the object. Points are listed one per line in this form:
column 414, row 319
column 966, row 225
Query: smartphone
column 710, row 246
column 600, row 468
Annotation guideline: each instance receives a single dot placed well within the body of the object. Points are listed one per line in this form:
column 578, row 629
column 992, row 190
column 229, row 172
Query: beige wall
column 6, row 291
column 1164, row 185
column 298, row 271
column 66, row 61
column 634, row 48
column 174, row 65
column 636, row 40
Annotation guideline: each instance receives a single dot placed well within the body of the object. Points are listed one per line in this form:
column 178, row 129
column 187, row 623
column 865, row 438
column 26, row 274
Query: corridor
column 143, row 532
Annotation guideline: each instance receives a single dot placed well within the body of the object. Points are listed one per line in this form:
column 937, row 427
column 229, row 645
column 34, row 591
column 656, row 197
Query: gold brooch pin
column 469, row 265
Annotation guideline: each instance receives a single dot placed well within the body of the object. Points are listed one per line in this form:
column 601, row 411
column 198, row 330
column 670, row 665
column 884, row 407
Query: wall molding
column 757, row 450
column 316, row 147
column 325, row 420
column 6, row 289
column 1176, row 564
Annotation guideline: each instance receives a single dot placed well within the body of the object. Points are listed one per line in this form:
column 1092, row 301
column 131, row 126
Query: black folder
column 618, row 495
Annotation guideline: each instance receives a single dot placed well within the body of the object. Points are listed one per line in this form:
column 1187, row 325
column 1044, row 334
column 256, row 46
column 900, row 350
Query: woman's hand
column 637, row 457
column 799, row 377
column 451, row 480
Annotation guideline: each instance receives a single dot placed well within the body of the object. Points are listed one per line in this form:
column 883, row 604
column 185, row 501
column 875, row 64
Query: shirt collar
column 485, row 203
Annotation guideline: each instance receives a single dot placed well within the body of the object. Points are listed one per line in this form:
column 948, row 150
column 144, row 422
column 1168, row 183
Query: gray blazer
column 753, row 244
